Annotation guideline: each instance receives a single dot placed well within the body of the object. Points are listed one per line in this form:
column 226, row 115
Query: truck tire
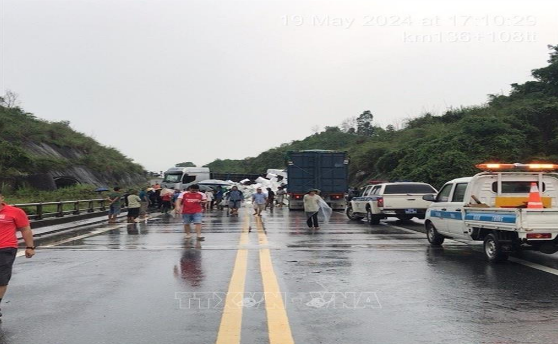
column 493, row 249
column 351, row 215
column 371, row 218
column 434, row 238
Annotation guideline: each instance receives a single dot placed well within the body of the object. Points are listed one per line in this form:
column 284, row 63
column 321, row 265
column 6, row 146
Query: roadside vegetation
column 71, row 193
column 519, row 127
column 18, row 129
column 80, row 192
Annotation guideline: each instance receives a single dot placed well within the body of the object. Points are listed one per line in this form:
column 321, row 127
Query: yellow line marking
column 262, row 238
column 245, row 228
column 277, row 319
column 231, row 322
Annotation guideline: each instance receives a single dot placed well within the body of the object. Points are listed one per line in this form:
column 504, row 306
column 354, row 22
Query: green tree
column 364, row 124
column 186, row 164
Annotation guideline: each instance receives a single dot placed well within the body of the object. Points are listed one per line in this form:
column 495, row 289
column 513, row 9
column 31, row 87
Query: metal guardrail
column 45, row 210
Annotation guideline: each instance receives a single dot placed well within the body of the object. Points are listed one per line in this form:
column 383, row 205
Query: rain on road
column 273, row 280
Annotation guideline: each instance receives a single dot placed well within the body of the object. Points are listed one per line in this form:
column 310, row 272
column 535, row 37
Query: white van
column 181, row 177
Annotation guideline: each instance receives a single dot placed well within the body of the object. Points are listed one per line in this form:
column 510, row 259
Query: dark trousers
column 312, row 219
column 166, row 206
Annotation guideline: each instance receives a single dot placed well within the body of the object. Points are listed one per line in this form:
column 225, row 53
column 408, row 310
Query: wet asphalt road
column 347, row 283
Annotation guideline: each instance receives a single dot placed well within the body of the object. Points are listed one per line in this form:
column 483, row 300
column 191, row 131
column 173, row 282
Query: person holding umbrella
column 114, row 204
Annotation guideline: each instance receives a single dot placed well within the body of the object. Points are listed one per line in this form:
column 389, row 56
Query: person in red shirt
column 166, row 201
column 12, row 219
column 190, row 205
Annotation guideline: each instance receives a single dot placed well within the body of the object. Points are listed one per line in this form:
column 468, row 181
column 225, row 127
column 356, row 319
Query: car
column 402, row 200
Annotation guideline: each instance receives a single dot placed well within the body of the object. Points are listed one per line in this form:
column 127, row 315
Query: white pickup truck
column 402, row 200
column 492, row 207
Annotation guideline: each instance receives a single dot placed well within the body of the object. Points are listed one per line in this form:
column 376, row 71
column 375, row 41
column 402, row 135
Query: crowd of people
column 192, row 203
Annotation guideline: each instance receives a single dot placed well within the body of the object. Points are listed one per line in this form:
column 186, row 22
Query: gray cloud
column 169, row 81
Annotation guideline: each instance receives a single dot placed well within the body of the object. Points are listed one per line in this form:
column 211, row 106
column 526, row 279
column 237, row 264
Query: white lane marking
column 403, row 229
column 79, row 237
column 21, row 253
column 534, row 265
column 511, row 259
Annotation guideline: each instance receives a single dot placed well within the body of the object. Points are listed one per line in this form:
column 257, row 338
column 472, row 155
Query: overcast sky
column 171, row 81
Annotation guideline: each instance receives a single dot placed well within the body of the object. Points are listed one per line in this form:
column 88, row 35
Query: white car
column 402, row 200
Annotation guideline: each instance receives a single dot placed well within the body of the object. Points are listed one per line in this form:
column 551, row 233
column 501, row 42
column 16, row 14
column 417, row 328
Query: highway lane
column 347, row 283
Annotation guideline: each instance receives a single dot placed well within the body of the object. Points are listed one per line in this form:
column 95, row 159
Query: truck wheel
column 434, row 238
column 372, row 219
column 351, row 215
column 493, row 249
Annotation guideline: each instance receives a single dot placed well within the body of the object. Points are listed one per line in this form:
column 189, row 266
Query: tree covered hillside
column 29, row 145
column 332, row 138
column 519, row 127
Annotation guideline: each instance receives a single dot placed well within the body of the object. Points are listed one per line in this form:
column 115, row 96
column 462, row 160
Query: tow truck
column 496, row 207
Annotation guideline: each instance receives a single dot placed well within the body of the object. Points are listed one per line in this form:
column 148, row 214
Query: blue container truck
column 324, row 170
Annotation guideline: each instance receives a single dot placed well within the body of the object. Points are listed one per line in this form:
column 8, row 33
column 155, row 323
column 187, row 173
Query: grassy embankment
column 19, row 130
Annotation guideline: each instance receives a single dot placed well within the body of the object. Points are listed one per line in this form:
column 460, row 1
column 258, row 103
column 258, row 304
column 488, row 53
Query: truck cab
column 180, row 177
column 494, row 207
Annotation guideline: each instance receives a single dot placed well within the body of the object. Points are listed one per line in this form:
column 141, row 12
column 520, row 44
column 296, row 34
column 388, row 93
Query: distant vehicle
column 324, row 170
column 215, row 183
column 181, row 177
column 493, row 207
column 401, row 200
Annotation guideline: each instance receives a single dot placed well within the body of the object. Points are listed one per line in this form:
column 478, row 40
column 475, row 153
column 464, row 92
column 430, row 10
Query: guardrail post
column 42, row 209
column 60, row 209
column 39, row 215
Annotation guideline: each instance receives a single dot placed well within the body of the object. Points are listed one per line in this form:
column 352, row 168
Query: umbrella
column 101, row 189
column 204, row 188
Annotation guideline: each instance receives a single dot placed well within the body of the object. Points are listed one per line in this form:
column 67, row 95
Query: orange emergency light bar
column 533, row 166
column 493, row 166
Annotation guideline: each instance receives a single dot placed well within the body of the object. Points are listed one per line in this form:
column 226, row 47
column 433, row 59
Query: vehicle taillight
column 539, row 235
column 297, row 196
column 380, row 201
column 336, row 196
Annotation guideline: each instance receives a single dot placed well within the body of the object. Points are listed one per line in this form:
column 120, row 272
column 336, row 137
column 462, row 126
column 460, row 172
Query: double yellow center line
column 277, row 320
